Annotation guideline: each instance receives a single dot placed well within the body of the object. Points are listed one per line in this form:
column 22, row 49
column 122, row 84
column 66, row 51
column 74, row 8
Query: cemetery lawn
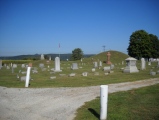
column 42, row 78
column 136, row 104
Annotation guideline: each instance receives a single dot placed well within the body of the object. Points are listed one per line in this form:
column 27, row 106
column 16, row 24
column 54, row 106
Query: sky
column 60, row 26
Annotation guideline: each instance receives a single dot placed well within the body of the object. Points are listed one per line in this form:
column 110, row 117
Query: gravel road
column 53, row 103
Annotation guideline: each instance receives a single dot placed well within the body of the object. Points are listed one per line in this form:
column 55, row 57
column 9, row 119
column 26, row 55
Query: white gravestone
column 143, row 64
column 74, row 66
column 42, row 57
column 57, row 65
column 95, row 64
column 130, row 65
column 100, row 63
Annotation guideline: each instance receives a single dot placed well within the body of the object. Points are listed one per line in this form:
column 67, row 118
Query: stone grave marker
column 130, row 65
column 41, row 65
column 72, row 75
column 84, row 74
column 107, row 68
column 23, row 66
column 57, row 65
column 93, row 69
column 74, row 66
column 143, row 64
column 95, row 64
column 42, row 57
column 14, row 66
column 100, row 63
column 111, row 66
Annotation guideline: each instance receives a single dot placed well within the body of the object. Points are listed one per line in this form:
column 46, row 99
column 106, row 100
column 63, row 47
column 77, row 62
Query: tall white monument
column 42, row 57
column 57, row 65
column 130, row 65
column 143, row 64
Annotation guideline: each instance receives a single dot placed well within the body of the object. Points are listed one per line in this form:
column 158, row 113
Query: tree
column 155, row 45
column 77, row 54
column 140, row 45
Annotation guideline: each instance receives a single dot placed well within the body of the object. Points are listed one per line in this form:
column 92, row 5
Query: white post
column 27, row 77
column 103, row 101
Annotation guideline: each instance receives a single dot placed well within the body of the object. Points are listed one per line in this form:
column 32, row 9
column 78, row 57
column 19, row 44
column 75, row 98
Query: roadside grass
column 42, row 78
column 136, row 104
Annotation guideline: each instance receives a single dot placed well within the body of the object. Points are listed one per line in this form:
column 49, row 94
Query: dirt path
column 53, row 103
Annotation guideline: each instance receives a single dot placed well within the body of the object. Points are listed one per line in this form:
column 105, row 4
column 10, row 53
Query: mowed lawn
column 42, row 78
column 136, row 104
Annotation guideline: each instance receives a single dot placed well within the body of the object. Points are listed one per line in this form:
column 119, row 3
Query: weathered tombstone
column 42, row 57
column 53, row 77
column 34, row 71
column 14, row 66
column 107, row 68
column 50, row 58
column 95, row 64
column 108, row 58
column 74, row 66
column 130, row 65
column 93, row 69
column 84, row 74
column 23, row 65
column 8, row 67
column 57, row 65
column 100, row 63
column 0, row 64
column 111, row 66
column 143, row 64
column 41, row 65
column 72, row 75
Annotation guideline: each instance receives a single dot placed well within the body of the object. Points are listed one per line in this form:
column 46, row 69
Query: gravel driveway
column 53, row 103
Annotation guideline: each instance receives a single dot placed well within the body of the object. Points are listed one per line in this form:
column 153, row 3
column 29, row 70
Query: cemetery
column 96, row 70
column 84, row 75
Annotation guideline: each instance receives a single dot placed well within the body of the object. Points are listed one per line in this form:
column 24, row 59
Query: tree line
column 143, row 44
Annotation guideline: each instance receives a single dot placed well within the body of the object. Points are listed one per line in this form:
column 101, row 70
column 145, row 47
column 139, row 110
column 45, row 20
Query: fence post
column 103, row 101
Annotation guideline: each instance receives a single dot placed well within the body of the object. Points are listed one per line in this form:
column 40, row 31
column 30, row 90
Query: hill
column 115, row 57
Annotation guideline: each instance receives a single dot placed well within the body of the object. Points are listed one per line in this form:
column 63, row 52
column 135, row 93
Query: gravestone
column 42, row 57
column 84, row 74
column 57, row 65
column 14, row 66
column 0, row 64
column 95, row 64
column 93, row 69
column 72, row 75
column 143, row 64
column 111, row 66
column 41, row 65
column 50, row 58
column 130, row 65
column 107, row 68
column 100, row 63
column 23, row 65
column 74, row 66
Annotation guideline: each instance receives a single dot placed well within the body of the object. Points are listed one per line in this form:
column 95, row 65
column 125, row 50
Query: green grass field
column 137, row 104
column 42, row 78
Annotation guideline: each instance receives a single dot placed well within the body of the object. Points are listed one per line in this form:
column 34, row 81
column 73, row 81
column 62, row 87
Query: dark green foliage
column 143, row 44
column 77, row 54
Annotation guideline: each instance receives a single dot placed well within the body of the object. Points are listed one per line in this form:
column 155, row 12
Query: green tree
column 77, row 54
column 155, row 45
column 140, row 45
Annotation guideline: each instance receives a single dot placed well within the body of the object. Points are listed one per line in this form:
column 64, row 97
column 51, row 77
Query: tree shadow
column 94, row 113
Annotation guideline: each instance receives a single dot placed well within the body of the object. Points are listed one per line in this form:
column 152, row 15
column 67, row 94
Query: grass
column 42, row 78
column 136, row 104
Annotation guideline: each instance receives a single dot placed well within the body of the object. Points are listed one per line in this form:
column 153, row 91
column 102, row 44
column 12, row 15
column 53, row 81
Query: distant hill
column 37, row 56
column 116, row 56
